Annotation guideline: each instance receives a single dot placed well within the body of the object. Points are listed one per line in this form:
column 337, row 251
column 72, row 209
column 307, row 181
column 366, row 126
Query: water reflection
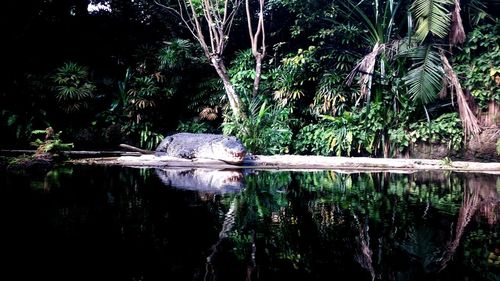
column 125, row 224
column 207, row 180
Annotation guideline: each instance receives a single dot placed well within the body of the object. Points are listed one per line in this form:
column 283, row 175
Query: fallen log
column 73, row 153
column 296, row 162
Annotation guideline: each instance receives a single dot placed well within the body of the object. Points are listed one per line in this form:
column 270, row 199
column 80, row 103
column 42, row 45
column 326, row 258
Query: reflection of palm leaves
column 419, row 244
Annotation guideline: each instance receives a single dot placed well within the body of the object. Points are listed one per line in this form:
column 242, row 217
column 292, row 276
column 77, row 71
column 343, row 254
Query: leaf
column 12, row 119
column 262, row 110
column 424, row 80
column 432, row 16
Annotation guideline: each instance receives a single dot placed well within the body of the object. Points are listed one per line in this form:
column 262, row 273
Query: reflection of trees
column 469, row 206
column 227, row 227
column 365, row 221
column 478, row 194
column 421, row 246
column 256, row 212
column 403, row 197
column 363, row 252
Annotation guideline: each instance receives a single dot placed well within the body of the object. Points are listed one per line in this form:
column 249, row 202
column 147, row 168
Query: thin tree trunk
column 258, row 74
column 232, row 96
column 259, row 34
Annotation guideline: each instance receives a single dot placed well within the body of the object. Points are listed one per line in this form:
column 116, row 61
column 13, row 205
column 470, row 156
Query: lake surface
column 114, row 223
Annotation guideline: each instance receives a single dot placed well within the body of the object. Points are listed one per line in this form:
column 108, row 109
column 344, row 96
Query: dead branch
column 469, row 120
column 457, row 33
column 366, row 67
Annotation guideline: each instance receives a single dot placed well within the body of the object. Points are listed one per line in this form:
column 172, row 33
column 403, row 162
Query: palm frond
column 432, row 17
column 424, row 79
column 378, row 22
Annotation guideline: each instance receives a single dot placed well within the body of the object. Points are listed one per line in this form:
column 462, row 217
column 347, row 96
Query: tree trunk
column 493, row 114
column 232, row 96
column 258, row 74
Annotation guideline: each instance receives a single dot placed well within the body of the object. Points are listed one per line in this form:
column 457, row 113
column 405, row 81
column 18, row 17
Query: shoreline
column 298, row 162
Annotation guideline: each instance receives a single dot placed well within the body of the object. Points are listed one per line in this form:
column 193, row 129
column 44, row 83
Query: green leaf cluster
column 446, row 129
column 266, row 130
column 479, row 62
column 72, row 86
column 51, row 144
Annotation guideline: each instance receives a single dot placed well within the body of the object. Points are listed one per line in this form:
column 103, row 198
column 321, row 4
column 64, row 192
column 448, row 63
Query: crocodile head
column 228, row 149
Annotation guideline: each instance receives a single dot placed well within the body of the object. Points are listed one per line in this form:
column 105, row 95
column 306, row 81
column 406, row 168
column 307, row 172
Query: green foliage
column 317, row 44
column 242, row 72
column 142, row 92
column 482, row 253
column 22, row 124
column 479, row 61
column 424, row 80
column 399, row 138
column 290, row 77
column 445, row 129
column 194, row 127
column 353, row 131
column 327, row 204
column 176, row 54
column 52, row 142
column 266, row 130
column 331, row 95
column 73, row 89
column 148, row 138
column 376, row 17
column 311, row 139
column 432, row 17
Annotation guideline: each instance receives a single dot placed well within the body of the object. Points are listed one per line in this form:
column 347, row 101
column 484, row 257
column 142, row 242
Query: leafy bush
column 266, row 130
column 477, row 63
column 148, row 138
column 194, row 127
column 361, row 131
column 311, row 140
column 446, row 129
column 399, row 138
column 52, row 142
column 73, row 89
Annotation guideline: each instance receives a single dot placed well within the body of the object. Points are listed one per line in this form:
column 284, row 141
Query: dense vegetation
column 318, row 77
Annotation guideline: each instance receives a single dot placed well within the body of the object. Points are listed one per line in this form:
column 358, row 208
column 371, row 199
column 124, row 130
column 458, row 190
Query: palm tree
column 380, row 37
column 431, row 73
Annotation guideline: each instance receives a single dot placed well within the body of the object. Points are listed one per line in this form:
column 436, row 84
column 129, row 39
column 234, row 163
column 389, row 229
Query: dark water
column 102, row 223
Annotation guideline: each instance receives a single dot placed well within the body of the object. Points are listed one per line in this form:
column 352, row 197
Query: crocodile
column 208, row 146
column 203, row 180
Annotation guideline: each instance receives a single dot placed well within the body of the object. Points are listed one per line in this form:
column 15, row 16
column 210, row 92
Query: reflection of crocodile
column 211, row 146
column 207, row 180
